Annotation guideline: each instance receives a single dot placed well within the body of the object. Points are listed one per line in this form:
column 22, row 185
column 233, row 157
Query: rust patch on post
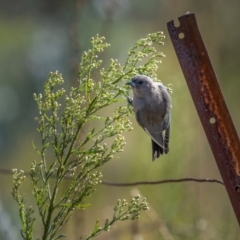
column 209, row 102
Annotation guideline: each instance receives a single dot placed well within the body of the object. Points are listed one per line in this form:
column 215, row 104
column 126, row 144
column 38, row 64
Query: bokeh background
column 37, row 37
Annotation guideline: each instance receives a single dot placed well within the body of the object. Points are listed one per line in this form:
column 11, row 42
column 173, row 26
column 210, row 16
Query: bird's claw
column 130, row 100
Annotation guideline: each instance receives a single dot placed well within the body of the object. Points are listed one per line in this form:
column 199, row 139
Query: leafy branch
column 122, row 211
column 67, row 150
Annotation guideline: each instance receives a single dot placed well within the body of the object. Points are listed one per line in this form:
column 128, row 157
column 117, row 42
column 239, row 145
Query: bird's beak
column 132, row 84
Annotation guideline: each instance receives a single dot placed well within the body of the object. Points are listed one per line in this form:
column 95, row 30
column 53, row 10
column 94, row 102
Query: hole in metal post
column 181, row 35
column 237, row 188
column 212, row 120
column 176, row 23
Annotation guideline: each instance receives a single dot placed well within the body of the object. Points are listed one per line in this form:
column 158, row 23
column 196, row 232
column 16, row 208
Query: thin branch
column 202, row 180
column 130, row 184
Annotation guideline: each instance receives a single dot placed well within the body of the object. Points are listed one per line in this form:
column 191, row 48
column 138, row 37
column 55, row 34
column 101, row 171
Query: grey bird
column 152, row 106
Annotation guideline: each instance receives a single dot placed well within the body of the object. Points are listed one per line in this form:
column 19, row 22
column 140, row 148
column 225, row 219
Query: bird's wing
column 167, row 120
column 165, row 96
column 154, row 131
column 156, row 134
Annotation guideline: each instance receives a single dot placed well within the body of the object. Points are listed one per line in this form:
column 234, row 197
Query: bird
column 151, row 103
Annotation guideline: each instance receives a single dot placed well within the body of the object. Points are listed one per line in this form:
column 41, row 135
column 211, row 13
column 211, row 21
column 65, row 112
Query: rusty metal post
column 209, row 102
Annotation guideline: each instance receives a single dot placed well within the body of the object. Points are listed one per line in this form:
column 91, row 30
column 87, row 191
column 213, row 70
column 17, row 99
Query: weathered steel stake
column 209, row 102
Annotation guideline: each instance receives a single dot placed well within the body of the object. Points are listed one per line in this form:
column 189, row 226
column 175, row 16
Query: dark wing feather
column 156, row 150
column 166, row 140
column 167, row 120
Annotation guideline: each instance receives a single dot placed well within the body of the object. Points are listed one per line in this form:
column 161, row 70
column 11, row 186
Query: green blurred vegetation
column 42, row 36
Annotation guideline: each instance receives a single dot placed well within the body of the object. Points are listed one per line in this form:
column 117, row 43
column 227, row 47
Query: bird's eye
column 140, row 82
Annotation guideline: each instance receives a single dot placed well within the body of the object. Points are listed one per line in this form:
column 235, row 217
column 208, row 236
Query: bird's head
column 141, row 85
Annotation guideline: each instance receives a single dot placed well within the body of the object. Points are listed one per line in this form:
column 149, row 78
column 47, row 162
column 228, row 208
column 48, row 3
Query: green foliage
column 66, row 152
column 122, row 212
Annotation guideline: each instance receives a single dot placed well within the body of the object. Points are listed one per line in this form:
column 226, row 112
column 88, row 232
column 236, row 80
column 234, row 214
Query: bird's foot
column 130, row 100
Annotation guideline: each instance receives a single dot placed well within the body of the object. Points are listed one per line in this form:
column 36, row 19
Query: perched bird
column 152, row 104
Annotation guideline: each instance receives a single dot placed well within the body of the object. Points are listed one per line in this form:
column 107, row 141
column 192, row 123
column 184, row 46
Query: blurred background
column 42, row 36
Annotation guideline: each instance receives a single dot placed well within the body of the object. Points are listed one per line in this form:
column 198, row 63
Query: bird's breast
column 152, row 116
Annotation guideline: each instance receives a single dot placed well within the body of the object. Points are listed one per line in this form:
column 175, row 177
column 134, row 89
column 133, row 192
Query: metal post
column 209, row 102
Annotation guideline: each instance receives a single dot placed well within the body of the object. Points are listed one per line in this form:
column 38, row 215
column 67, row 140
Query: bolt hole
column 176, row 23
column 181, row 35
column 237, row 188
column 212, row 120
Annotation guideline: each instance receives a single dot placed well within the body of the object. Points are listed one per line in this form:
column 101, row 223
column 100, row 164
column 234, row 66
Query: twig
column 130, row 184
column 208, row 180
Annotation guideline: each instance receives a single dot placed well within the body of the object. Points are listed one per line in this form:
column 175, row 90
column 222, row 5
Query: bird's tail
column 156, row 150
